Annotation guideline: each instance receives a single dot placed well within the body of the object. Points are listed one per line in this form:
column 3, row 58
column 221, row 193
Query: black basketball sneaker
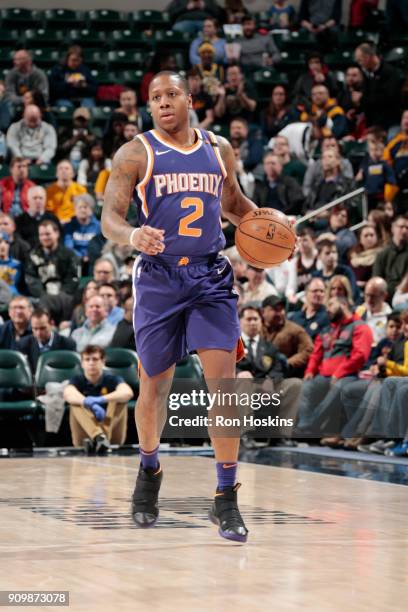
column 145, row 508
column 225, row 513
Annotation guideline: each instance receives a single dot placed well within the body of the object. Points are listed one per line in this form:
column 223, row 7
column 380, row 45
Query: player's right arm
column 128, row 166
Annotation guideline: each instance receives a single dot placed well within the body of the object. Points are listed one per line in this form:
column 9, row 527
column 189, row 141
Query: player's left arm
column 234, row 203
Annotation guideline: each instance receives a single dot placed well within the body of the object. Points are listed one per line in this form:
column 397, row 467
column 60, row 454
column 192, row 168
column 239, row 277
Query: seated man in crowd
column 312, row 317
column 27, row 223
column 25, row 76
column 124, row 336
column 237, row 97
column 104, row 271
column 288, row 337
column 14, row 188
column 61, row 194
column 290, row 166
column 392, row 262
column 96, row 329
column 314, row 173
column 278, row 191
column 18, row 326
column 256, row 50
column 43, row 339
column 332, row 184
column 32, row 138
column 339, row 222
column 82, row 228
column 327, row 114
column 111, row 298
column 375, row 310
column 251, row 143
column 52, row 272
column 19, row 248
column 339, row 354
column 98, row 404
column 328, row 259
column 257, row 287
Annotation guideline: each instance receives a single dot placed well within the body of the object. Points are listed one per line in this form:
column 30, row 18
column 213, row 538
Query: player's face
column 169, row 103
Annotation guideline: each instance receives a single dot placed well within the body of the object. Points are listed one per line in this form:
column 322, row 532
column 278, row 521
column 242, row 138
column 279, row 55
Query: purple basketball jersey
column 181, row 193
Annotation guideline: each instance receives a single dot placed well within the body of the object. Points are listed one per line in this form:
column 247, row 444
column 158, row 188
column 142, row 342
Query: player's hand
column 148, row 240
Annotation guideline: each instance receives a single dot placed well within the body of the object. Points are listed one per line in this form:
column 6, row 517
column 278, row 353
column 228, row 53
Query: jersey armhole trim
column 141, row 187
column 218, row 154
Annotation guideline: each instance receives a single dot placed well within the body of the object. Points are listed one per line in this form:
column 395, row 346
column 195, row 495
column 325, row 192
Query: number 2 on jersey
column 185, row 222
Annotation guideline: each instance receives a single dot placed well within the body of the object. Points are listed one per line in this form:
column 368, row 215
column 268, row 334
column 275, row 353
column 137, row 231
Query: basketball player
column 183, row 289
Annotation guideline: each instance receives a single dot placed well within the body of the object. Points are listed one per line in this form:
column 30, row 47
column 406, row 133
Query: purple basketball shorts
column 182, row 304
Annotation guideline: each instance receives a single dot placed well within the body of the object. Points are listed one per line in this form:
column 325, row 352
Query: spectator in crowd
column 36, row 97
column 239, row 266
column 27, row 223
column 209, row 34
column 360, row 13
column 256, row 288
column 290, row 166
column 382, row 223
column 130, row 131
column 276, row 190
column 128, row 106
column 317, row 74
column 339, row 354
column 305, row 260
column 98, row 404
column 43, row 339
column 6, row 114
column 19, row 248
column 96, row 328
column 52, row 272
column 25, row 76
column 278, row 113
column 375, row 310
column 380, row 97
column 400, row 299
column 396, row 14
column 76, row 139
column 332, row 185
column 322, row 18
column 339, row 286
column 237, row 97
column 392, row 262
column 245, row 178
column 281, row 14
column 61, row 194
column 288, row 337
column 328, row 265
column 312, row 317
column 189, row 15
column 328, row 116
column 82, row 228
column 124, row 336
column 363, row 254
column 18, row 326
column 110, row 296
column 284, row 280
column 10, row 269
column 93, row 162
column 211, row 72
column 161, row 60
column 256, row 50
column 14, row 188
column 339, row 223
column 376, row 174
column 71, row 82
column 202, row 102
column 264, row 361
column 114, row 138
column 251, row 144
column 104, row 270
column 395, row 155
column 314, row 173
column 78, row 316
column 31, row 138
column 349, row 97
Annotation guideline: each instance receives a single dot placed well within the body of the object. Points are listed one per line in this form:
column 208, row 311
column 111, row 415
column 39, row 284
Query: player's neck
column 185, row 137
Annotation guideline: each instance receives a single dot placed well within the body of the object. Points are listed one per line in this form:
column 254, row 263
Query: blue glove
column 98, row 411
column 94, row 399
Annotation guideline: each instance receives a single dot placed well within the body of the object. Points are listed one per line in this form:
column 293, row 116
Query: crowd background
column 313, row 109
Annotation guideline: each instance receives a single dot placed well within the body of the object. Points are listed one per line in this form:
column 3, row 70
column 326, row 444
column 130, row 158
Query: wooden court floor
column 317, row 542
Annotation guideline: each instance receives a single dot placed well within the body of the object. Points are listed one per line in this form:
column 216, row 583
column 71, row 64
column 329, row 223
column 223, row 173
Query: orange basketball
column 265, row 238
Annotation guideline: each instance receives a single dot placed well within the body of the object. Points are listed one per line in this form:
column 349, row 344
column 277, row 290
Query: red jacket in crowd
column 341, row 349
column 7, row 188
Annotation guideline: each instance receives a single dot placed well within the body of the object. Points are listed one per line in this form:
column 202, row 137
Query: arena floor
column 318, row 541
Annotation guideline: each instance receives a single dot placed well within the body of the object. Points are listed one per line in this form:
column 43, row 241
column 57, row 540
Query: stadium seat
column 130, row 39
column 123, row 362
column 340, row 59
column 15, row 374
column 266, row 79
column 45, row 173
column 298, row 40
column 56, row 366
column 100, row 114
column 220, row 130
column 10, row 38
column 292, row 60
column 46, row 58
column 132, row 78
column 158, row 19
column 126, row 59
column 85, row 38
column 94, row 58
column 172, row 40
column 353, row 38
column 19, row 18
column 4, row 170
column 63, row 18
column 103, row 77
column 107, row 20
column 398, row 56
column 38, row 39
column 6, row 58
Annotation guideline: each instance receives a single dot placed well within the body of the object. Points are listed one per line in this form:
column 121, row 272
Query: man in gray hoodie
column 25, row 77
column 32, row 138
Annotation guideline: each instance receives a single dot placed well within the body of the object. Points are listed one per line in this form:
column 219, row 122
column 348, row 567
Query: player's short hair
column 183, row 81
column 92, row 349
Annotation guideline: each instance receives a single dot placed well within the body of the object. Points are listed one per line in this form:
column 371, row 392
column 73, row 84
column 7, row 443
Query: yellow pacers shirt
column 61, row 202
